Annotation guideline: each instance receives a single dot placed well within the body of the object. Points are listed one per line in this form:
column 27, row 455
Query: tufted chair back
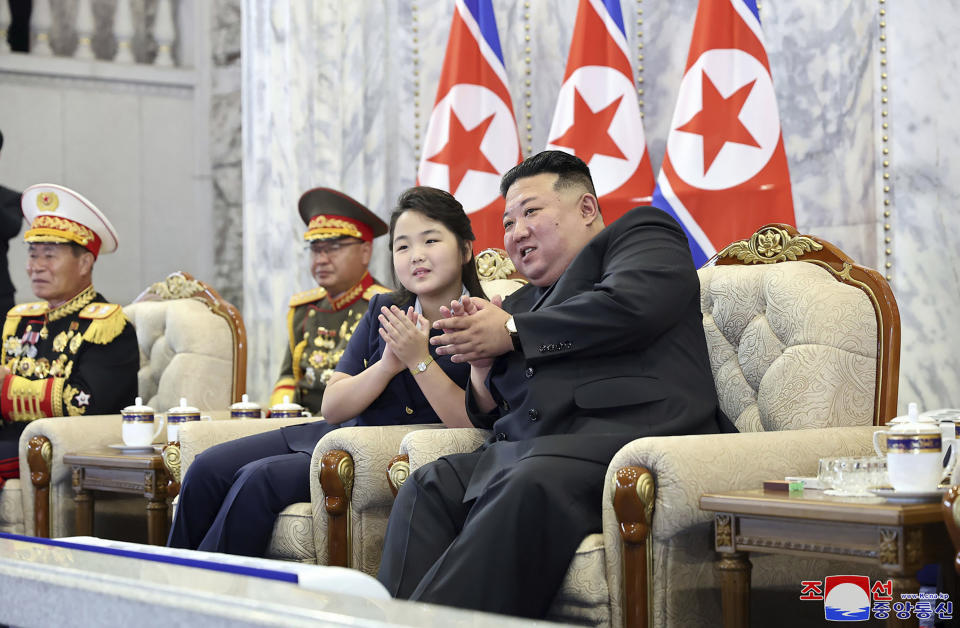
column 192, row 344
column 796, row 334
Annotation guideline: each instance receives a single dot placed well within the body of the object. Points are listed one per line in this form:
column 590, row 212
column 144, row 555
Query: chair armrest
column 196, row 436
column 423, row 447
column 685, row 467
column 66, row 434
column 681, row 469
column 348, row 473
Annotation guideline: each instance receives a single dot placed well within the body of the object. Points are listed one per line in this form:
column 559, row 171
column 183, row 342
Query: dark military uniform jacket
column 319, row 329
column 79, row 358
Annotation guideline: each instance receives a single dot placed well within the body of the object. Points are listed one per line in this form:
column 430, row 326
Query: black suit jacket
column 11, row 220
column 613, row 351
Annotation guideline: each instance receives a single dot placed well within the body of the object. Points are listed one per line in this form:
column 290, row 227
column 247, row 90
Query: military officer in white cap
column 71, row 353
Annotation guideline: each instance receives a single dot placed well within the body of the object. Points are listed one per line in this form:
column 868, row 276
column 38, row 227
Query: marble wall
column 226, row 155
column 336, row 93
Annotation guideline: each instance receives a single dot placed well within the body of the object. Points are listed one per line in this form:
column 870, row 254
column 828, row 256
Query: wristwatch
column 511, row 326
column 422, row 365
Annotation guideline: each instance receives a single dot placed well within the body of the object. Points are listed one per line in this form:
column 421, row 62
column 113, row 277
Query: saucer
column 912, row 496
column 136, row 449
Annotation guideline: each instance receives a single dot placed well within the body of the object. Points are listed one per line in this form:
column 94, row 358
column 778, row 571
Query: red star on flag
column 584, row 137
column 462, row 151
column 718, row 120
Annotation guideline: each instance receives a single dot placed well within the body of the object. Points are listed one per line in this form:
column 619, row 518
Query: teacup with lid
column 288, row 409
column 177, row 416
column 245, row 409
column 138, row 425
column 914, row 453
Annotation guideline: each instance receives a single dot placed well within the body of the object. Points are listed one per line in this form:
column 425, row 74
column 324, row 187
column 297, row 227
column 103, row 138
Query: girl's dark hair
column 440, row 206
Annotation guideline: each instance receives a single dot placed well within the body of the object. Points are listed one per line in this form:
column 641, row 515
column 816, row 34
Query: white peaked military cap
column 58, row 214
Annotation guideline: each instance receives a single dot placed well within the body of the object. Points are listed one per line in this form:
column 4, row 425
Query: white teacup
column 139, row 429
column 245, row 409
column 180, row 415
column 288, row 409
column 915, row 461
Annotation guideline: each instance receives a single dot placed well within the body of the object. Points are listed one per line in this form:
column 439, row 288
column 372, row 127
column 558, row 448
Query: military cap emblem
column 47, row 202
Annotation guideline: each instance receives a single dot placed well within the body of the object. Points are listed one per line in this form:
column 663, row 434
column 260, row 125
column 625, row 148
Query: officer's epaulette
column 37, row 308
column 308, row 296
column 106, row 322
column 374, row 290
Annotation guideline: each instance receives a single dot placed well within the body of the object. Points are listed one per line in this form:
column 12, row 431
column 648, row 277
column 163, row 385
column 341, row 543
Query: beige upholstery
column 790, row 347
column 192, row 344
column 11, row 507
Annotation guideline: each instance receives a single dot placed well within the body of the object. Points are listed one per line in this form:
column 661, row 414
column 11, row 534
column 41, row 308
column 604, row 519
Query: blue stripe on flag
column 613, row 8
column 482, row 11
column 699, row 257
column 752, row 5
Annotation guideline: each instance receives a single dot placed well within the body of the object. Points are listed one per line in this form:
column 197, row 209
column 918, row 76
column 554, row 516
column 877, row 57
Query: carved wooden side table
column 138, row 474
column 899, row 538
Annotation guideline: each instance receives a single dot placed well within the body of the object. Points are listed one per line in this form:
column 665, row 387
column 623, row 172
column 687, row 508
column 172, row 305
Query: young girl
column 389, row 374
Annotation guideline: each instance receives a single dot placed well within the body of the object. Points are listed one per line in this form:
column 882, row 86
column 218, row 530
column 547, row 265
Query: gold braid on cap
column 325, row 226
column 54, row 226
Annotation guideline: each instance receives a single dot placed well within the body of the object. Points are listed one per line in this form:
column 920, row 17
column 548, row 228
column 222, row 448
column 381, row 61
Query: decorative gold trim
column 295, row 357
column 72, row 306
column 26, row 396
column 69, row 392
column 889, row 549
column 724, row 532
column 349, row 297
column 104, row 330
column 770, row 245
column 492, row 264
column 45, row 226
column 323, row 226
column 171, row 460
column 48, row 201
column 307, row 296
column 175, row 286
column 398, row 473
column 373, row 291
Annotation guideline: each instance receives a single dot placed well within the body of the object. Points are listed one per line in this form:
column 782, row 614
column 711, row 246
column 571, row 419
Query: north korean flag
column 725, row 170
column 471, row 138
column 598, row 115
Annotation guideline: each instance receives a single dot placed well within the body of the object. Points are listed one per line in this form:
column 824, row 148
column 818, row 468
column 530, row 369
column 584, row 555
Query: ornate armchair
column 804, row 346
column 192, row 344
column 346, row 518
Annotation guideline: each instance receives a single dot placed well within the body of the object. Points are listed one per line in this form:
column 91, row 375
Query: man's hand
column 474, row 331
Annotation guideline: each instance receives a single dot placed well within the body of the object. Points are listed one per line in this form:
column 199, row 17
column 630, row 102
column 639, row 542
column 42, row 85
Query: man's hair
column 570, row 169
column 1, row 140
column 78, row 250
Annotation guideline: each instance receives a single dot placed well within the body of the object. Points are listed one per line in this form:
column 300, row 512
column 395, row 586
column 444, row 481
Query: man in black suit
column 604, row 346
column 10, row 221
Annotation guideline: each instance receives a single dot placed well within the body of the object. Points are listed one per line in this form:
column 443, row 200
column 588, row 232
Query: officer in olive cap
column 340, row 232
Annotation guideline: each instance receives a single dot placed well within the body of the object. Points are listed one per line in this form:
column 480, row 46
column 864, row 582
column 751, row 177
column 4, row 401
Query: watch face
column 421, row 367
